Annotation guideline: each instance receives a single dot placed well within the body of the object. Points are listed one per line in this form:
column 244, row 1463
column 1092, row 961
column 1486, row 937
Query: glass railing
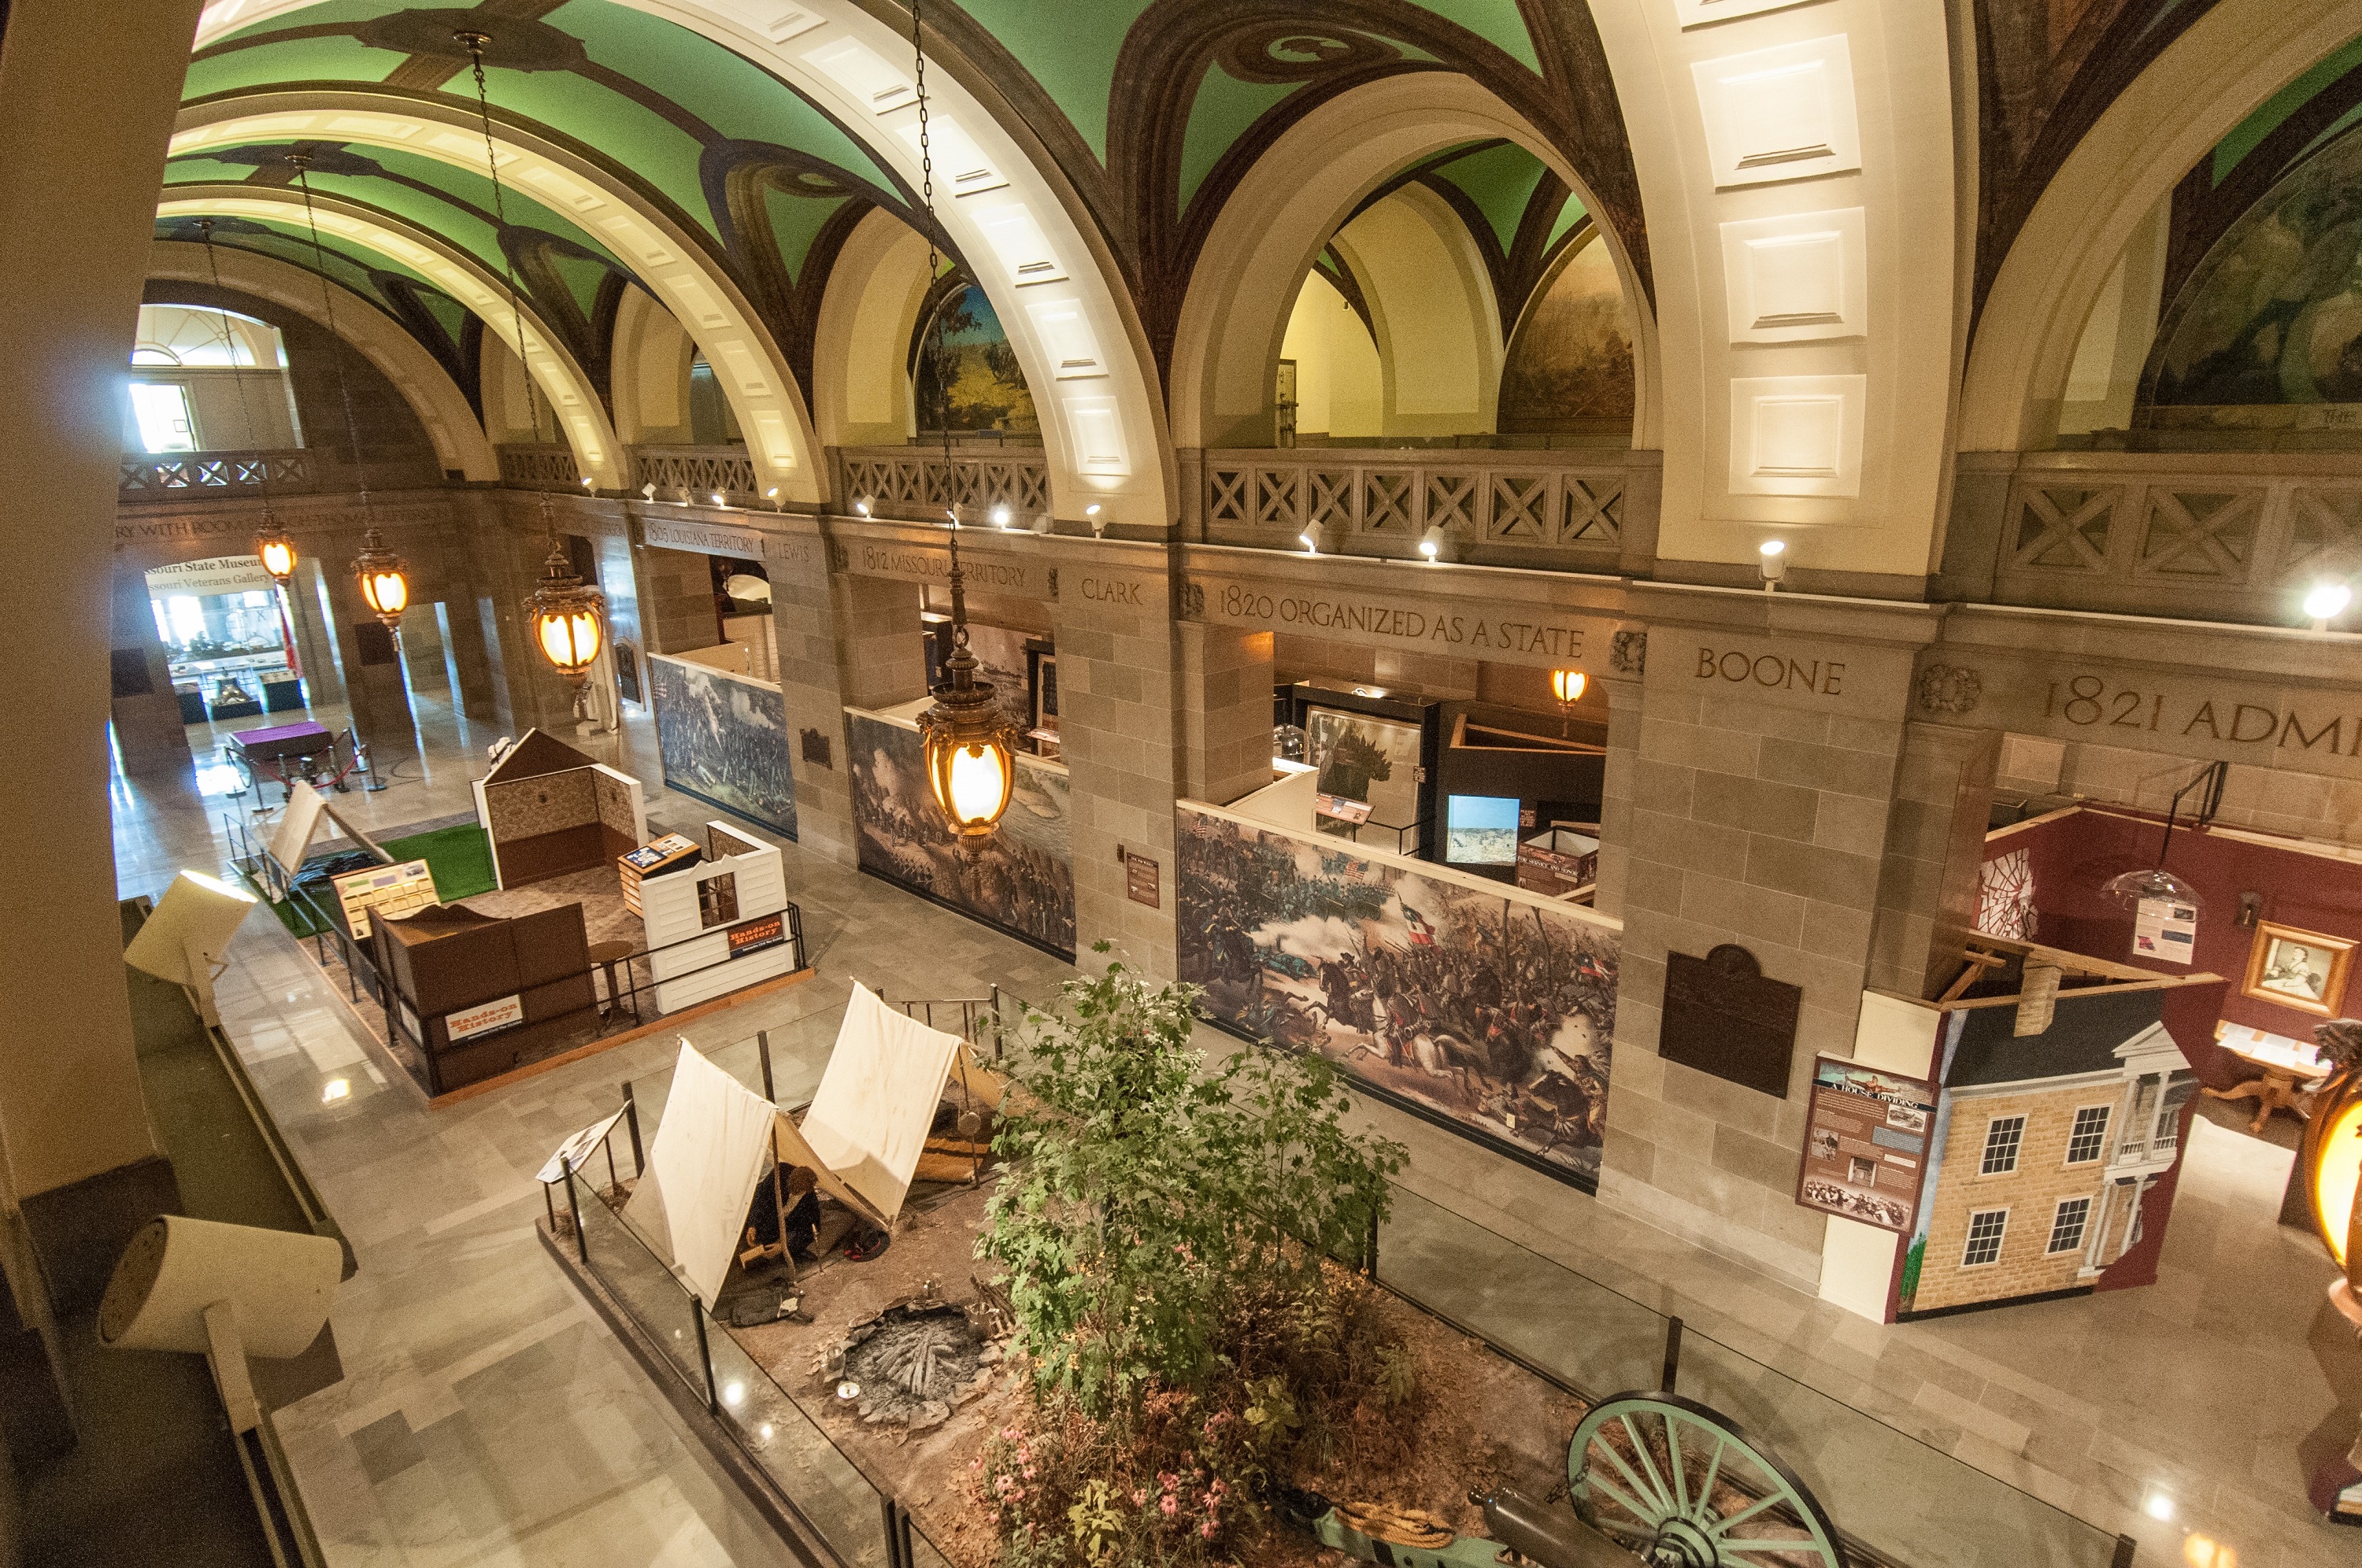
column 1908, row 1503
column 1898, row 1500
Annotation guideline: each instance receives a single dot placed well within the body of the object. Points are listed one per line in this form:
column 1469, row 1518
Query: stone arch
column 670, row 262
column 579, row 412
column 861, row 390
column 2202, row 85
column 1432, row 312
column 1049, row 274
column 460, row 443
column 649, row 381
column 1295, row 197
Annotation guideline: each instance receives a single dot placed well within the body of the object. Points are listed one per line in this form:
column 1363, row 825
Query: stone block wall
column 1225, row 690
column 2031, row 1192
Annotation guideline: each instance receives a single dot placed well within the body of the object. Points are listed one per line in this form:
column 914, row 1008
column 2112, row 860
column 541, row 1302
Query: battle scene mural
column 1570, row 361
column 724, row 739
column 1490, row 1015
column 1022, row 878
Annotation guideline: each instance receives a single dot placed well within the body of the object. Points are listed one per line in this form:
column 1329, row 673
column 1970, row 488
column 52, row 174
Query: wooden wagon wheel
column 1680, row 1486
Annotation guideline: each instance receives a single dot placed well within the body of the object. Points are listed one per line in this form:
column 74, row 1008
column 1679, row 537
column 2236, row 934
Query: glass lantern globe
column 384, row 579
column 276, row 551
column 971, row 767
column 568, row 618
column 2128, row 890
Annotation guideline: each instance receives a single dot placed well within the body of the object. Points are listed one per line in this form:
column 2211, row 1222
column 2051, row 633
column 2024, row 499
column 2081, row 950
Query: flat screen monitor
column 1481, row 830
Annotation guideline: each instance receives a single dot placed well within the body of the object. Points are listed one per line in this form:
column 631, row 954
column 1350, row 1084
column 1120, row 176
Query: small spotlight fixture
column 649, row 491
column 1000, row 515
column 718, row 501
column 1426, row 549
column 1310, row 541
column 1772, row 562
column 861, row 504
column 1098, row 523
column 2325, row 602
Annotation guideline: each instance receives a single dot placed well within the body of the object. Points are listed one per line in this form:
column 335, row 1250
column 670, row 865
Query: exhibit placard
column 1866, row 1144
column 2166, row 929
column 397, row 890
column 1142, row 880
column 484, row 1018
column 753, row 935
column 1342, row 808
column 1558, row 862
column 570, row 1154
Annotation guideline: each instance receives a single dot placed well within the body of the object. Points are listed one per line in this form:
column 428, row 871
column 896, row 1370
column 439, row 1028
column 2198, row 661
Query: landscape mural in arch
column 2273, row 314
column 1489, row 1014
column 988, row 390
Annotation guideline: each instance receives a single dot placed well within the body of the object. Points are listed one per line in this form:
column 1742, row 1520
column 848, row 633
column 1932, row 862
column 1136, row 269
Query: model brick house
column 2046, row 1146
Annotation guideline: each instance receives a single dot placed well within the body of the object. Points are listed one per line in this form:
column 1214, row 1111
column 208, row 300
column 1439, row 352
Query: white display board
column 301, row 819
column 696, row 950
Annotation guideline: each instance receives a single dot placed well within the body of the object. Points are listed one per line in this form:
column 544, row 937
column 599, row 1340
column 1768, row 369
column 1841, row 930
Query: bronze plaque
column 816, row 750
column 1723, row 1017
column 1143, row 878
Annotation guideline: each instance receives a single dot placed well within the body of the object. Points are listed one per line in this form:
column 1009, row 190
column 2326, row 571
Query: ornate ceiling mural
column 1150, row 112
column 2046, row 71
column 770, row 183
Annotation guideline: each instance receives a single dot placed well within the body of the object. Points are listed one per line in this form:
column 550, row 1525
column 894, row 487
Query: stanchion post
column 632, row 1120
column 2125, row 1546
column 1673, row 1354
column 704, row 1355
column 574, row 1207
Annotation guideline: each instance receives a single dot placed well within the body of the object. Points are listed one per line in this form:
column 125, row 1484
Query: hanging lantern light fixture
column 381, row 574
column 971, row 760
column 275, row 550
column 569, row 618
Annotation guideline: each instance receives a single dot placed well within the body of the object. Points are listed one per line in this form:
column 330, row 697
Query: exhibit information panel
column 397, row 890
column 484, row 1018
column 1866, row 1144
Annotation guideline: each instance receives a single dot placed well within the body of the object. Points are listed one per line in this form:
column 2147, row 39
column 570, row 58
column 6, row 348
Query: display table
column 2285, row 1071
column 282, row 693
column 282, row 741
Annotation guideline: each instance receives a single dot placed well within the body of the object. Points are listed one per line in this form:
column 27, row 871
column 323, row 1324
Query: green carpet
column 460, row 856
column 294, row 915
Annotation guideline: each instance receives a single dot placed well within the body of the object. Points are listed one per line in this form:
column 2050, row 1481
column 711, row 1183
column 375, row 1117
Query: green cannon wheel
column 1681, row 1487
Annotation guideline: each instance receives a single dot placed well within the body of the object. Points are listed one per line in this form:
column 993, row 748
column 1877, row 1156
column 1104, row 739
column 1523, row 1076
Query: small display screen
column 1481, row 830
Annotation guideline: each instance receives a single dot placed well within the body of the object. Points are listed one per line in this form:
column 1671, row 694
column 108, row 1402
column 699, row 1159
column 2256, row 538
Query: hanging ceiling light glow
column 272, row 544
column 568, row 618
column 971, row 763
column 1568, row 686
column 276, row 550
column 384, row 579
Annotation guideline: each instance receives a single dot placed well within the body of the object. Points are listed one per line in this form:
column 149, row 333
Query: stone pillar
column 1616, row 800
column 148, row 735
column 804, row 614
column 676, row 589
column 880, row 660
column 1225, row 711
column 1119, row 674
column 1760, row 793
column 1929, row 885
column 316, row 647
column 80, row 190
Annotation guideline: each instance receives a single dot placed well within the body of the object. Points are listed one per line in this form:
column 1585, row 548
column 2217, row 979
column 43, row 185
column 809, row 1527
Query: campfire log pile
column 914, row 1363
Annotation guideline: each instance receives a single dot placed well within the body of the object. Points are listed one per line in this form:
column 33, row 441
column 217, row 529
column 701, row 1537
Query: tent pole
column 763, row 1050
column 778, row 1199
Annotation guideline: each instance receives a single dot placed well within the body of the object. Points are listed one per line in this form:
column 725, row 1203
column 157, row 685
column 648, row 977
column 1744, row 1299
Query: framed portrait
column 2303, row 969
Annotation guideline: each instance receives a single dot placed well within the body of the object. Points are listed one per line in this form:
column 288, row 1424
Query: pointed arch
column 861, row 389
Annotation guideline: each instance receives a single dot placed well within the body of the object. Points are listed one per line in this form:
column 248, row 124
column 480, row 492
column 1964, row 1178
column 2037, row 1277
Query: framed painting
column 2303, row 969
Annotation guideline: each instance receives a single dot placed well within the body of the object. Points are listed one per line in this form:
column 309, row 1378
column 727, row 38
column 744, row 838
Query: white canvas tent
column 298, row 826
column 861, row 1137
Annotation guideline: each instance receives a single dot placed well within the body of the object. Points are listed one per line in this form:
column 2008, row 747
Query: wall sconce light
column 2251, row 908
column 2325, row 602
column 1772, row 562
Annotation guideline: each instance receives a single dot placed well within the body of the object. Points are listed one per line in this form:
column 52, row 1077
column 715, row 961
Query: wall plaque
column 1143, row 878
column 816, row 750
column 1723, row 1017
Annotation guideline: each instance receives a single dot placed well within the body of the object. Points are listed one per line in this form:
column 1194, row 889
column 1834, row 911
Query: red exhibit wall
column 2072, row 856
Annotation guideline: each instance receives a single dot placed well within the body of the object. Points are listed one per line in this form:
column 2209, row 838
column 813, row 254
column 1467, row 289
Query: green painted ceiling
column 2275, row 110
column 1500, row 179
column 440, row 198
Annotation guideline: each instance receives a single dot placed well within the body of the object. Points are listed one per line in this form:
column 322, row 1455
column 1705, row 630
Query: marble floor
column 489, row 1418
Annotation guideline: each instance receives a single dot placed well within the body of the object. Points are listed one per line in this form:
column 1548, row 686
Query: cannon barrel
column 1550, row 1535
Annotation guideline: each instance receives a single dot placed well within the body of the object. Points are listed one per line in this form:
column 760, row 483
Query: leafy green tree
column 1148, row 1197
